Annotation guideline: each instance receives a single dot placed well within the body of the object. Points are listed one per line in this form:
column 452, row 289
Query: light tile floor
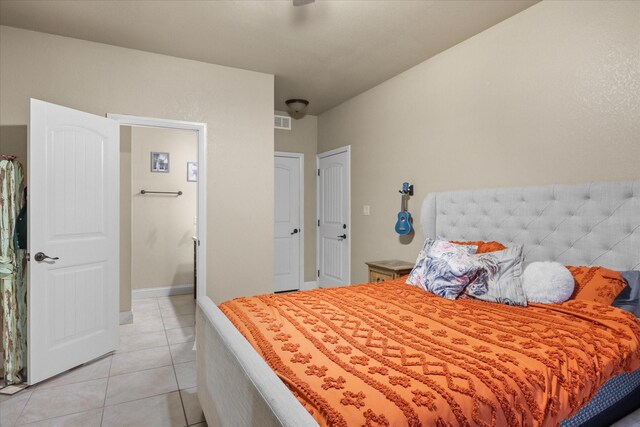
column 149, row 381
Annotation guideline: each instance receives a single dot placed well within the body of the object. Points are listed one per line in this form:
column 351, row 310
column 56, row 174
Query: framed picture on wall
column 192, row 171
column 159, row 162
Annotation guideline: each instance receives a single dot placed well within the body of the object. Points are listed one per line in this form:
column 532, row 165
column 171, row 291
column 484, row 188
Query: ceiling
column 326, row 52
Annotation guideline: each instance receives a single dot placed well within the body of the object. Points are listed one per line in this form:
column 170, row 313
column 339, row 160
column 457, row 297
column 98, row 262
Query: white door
column 288, row 220
column 334, row 224
column 73, row 223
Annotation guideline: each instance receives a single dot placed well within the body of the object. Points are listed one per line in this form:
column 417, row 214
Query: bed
column 594, row 224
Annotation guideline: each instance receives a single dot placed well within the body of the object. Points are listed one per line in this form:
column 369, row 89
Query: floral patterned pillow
column 501, row 280
column 483, row 247
column 444, row 268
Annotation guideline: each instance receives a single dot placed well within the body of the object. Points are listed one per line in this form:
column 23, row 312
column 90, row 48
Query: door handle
column 343, row 236
column 40, row 256
column 295, row 230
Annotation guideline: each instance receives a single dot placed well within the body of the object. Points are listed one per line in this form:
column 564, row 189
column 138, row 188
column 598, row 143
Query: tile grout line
column 104, row 404
column 53, row 387
column 106, row 390
column 175, row 373
column 143, row 369
column 173, row 366
column 140, row 398
column 145, row 348
column 37, row 388
column 160, row 394
column 184, row 411
column 23, row 408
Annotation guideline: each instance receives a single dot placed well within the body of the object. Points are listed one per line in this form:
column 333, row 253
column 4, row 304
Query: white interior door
column 334, row 223
column 288, row 219
column 73, row 223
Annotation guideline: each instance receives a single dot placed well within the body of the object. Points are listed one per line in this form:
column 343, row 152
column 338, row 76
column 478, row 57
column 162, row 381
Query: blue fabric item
column 616, row 398
column 629, row 298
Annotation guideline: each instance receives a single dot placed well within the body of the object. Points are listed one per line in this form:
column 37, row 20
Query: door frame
column 201, row 223
column 345, row 149
column 299, row 156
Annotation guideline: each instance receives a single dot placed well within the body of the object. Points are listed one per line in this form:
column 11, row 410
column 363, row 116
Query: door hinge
column 318, row 172
column 28, row 256
column 318, row 223
column 318, row 273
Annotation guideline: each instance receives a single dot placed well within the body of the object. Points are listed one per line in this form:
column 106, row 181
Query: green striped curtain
column 13, row 268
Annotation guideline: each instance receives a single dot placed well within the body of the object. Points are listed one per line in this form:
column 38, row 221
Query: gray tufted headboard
column 589, row 224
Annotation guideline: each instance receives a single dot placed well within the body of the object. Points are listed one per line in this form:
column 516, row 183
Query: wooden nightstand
column 380, row 271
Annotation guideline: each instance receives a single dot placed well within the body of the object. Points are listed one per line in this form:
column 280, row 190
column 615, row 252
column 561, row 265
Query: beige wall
column 162, row 226
column 547, row 96
column 303, row 138
column 125, row 218
column 99, row 78
column 13, row 141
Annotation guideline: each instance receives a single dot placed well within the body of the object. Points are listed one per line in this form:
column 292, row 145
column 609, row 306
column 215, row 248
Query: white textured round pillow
column 547, row 282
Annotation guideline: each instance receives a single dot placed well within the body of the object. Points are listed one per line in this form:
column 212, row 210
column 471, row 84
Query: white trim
column 163, row 291
column 126, row 317
column 301, row 225
column 201, row 225
column 345, row 149
column 127, row 120
column 309, row 285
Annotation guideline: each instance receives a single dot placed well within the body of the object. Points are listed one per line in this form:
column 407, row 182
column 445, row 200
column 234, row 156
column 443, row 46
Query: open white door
column 288, row 258
column 73, row 238
column 334, row 213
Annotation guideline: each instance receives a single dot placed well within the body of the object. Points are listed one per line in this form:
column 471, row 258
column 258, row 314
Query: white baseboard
column 164, row 291
column 309, row 285
column 126, row 317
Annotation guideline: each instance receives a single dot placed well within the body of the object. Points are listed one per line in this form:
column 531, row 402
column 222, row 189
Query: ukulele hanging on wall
column 403, row 225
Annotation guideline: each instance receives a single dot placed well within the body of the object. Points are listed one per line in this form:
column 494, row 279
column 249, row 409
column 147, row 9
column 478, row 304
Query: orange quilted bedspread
column 392, row 354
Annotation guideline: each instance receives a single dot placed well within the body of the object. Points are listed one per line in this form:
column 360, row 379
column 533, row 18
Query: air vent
column 282, row 122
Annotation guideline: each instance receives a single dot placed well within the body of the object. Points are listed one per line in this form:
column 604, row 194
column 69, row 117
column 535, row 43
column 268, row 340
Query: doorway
column 158, row 184
column 288, row 220
column 334, row 217
column 81, row 201
column 194, row 176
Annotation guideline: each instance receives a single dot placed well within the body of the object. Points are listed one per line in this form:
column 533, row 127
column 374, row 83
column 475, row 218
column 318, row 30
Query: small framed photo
column 192, row 171
column 159, row 162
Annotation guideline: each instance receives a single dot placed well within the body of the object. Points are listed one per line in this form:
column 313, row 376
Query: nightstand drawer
column 381, row 271
column 376, row 276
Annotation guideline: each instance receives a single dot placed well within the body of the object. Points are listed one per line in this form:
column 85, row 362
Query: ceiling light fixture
column 297, row 107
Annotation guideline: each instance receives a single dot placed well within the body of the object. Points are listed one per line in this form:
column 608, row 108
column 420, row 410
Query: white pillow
column 547, row 282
